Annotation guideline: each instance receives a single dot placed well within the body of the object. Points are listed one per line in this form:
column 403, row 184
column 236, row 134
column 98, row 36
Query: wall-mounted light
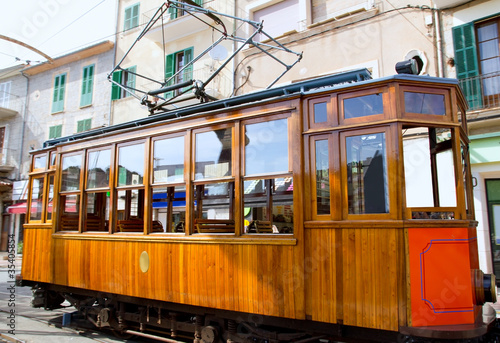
column 407, row 67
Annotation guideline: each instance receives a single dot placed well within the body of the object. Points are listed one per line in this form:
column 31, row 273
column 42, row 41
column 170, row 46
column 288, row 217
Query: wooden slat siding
column 37, row 254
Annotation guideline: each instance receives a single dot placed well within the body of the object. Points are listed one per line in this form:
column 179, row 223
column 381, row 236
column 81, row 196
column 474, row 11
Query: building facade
column 13, row 88
column 49, row 100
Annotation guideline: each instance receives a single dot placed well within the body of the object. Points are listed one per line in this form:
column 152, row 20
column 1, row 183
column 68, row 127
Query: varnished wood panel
column 37, row 256
column 259, row 279
column 353, row 276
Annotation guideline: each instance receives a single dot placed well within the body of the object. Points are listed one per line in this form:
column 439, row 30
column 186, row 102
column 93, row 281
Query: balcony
column 10, row 108
column 7, row 160
column 482, row 92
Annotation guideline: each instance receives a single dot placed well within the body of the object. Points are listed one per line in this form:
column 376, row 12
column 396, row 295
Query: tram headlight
column 485, row 287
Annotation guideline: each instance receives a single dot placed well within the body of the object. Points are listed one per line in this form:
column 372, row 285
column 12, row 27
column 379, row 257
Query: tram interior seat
column 137, row 225
column 260, row 226
column 96, row 224
column 214, row 225
column 69, row 223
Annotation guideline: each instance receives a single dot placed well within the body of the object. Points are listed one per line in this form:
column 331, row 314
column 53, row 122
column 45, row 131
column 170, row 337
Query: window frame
column 387, row 112
column 83, row 125
column 392, row 173
column 128, row 76
column 131, row 20
column 5, row 94
column 171, row 68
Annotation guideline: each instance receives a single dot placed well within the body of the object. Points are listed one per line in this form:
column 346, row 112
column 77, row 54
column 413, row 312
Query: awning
column 17, row 208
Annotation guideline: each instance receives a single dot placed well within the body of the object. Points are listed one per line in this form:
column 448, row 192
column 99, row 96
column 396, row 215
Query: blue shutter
column 466, row 63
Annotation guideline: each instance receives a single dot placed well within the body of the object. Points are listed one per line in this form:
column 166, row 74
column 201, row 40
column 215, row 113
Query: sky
column 55, row 27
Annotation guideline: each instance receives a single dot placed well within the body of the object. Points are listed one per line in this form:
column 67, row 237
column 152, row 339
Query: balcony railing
column 482, row 91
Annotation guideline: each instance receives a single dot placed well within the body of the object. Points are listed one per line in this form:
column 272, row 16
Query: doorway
column 493, row 199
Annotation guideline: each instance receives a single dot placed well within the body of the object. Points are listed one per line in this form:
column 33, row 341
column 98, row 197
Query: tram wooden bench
column 69, row 223
column 260, row 226
column 137, row 225
column 214, row 225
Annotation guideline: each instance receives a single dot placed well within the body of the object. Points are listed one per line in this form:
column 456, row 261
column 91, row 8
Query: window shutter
column 58, row 131
column 173, row 12
column 58, row 99
column 128, row 17
column 169, row 72
column 135, row 16
column 79, row 126
column 131, row 79
column 466, row 64
column 188, row 57
column 199, row 2
column 87, row 86
column 116, row 90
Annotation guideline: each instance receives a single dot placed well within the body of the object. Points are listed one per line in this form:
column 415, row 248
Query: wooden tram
column 317, row 210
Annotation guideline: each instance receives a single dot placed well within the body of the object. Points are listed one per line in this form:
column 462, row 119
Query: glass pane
column 266, row 147
column 320, row 113
column 169, row 209
column 417, row 163
column 99, row 164
column 446, row 179
column 214, row 202
column 322, row 177
column 97, row 212
column 425, row 103
column 168, row 159
column 71, row 203
column 40, row 162
column 367, row 174
column 363, row 106
column 131, row 165
column 71, row 209
column 36, row 199
column 130, row 210
column 488, row 49
column 50, row 198
column 52, row 157
column 213, row 154
column 71, row 166
column 268, row 205
column 487, row 31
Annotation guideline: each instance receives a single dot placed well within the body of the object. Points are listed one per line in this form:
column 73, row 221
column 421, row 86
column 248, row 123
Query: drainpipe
column 233, row 86
column 25, row 112
column 439, row 48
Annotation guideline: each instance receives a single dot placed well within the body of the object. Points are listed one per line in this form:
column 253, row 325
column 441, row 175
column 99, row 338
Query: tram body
column 341, row 211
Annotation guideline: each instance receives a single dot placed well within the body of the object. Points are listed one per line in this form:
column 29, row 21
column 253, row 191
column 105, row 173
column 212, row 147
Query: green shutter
column 83, row 125
column 87, row 86
column 173, row 12
column 169, row 72
column 466, row 63
column 58, row 98
column 116, row 91
column 188, row 71
column 199, row 2
column 55, row 131
column 130, row 80
column 131, row 17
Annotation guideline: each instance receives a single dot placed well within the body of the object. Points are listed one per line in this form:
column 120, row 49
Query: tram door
column 493, row 198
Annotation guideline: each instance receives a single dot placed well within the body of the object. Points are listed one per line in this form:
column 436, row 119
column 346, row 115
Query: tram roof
column 335, row 81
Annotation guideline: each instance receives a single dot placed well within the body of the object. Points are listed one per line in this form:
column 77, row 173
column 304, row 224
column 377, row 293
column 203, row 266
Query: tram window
column 71, row 166
column 70, row 212
column 214, row 207
column 268, row 205
column 99, row 164
column 429, row 171
column 322, row 177
column 363, row 106
column 97, row 212
column 320, row 112
column 131, row 165
column 367, row 179
column 169, row 209
column 50, row 197
column 168, row 159
column 425, row 103
column 52, row 159
column 266, row 147
column 130, row 210
column 40, row 162
column 36, row 198
column 213, row 154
